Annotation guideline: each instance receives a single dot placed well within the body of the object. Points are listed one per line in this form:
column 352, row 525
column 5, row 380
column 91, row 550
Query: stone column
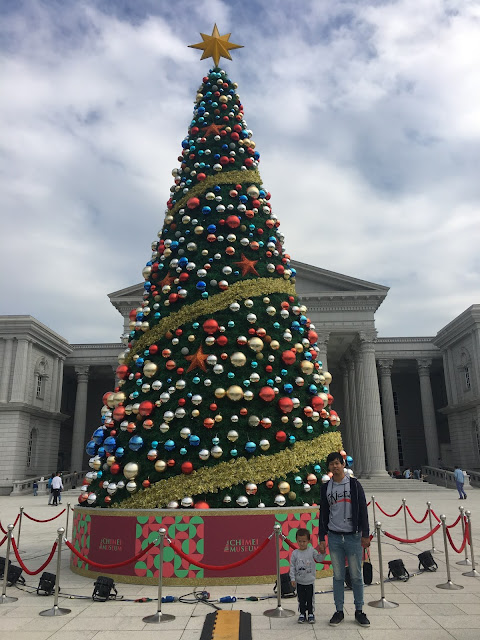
column 78, row 439
column 373, row 413
column 54, row 385
column 6, row 367
column 322, row 344
column 356, row 452
column 58, row 406
column 388, row 411
column 361, row 416
column 346, row 424
column 428, row 411
column 20, row 371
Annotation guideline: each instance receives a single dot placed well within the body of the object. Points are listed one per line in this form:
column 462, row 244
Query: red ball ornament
column 208, row 423
column 146, row 407
column 312, row 336
column 343, row 454
column 170, row 365
column 147, row 424
column 317, row 403
column 107, row 499
column 146, row 484
column 122, row 371
column 115, row 468
column 106, row 397
column 173, row 297
column 248, row 162
column 330, row 398
column 269, row 484
column 210, row 326
column 267, row 394
column 280, row 269
column 311, row 479
column 119, row 413
column 187, row 467
column 152, row 349
column 171, row 462
column 280, row 436
column 193, row 203
column 233, row 222
column 222, row 340
column 184, row 276
column 285, row 405
column 289, row 357
column 201, row 504
column 201, row 177
column 82, row 497
column 133, row 314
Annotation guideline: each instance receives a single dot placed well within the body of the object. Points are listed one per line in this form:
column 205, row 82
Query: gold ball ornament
column 274, row 344
column 130, row 470
column 238, row 359
column 97, row 464
column 292, row 495
column 328, row 377
column 160, row 466
column 264, row 445
column 110, row 461
column 220, row 392
column 232, row 435
column 307, row 367
column 255, row 344
column 216, row 451
column 149, row 369
column 283, row 487
column 235, row 393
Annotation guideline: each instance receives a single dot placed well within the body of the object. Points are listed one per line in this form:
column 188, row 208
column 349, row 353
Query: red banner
column 110, row 543
column 232, row 538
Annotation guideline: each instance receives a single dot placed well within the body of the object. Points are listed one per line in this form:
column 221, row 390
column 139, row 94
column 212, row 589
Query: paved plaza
column 424, row 612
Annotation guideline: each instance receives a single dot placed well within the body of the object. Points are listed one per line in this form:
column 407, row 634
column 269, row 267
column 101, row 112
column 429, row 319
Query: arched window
column 465, row 369
column 31, row 448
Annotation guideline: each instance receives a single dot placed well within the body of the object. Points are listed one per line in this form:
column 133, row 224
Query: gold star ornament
column 215, row 46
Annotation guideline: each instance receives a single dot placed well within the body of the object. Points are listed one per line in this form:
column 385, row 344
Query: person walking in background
column 35, row 487
column 459, row 481
column 50, row 490
column 344, row 518
column 57, row 486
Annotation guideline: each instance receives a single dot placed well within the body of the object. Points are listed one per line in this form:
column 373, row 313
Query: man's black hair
column 335, row 455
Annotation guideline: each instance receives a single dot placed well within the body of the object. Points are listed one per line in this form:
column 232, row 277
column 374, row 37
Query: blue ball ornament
column 109, row 444
column 194, row 440
column 154, row 444
column 101, row 452
column 250, row 447
column 201, row 285
column 91, row 448
column 98, row 435
column 135, row 443
column 119, row 452
column 298, row 480
column 233, row 452
column 309, row 428
column 183, row 451
column 215, row 441
column 291, row 439
column 169, row 445
column 349, row 461
column 205, row 295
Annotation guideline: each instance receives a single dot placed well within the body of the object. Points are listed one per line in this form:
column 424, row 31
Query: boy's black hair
column 335, row 455
column 302, row 532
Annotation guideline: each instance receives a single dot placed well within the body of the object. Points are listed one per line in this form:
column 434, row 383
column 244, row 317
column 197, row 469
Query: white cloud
column 365, row 115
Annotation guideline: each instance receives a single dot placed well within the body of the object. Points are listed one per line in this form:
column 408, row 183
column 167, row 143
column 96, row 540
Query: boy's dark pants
column 305, row 598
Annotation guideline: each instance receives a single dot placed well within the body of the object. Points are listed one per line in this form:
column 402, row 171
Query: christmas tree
column 222, row 400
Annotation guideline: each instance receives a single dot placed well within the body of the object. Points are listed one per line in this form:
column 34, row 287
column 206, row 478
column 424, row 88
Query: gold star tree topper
column 215, row 46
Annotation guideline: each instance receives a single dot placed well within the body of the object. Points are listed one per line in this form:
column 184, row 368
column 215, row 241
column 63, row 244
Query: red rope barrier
column 430, row 533
column 14, row 524
column 464, row 542
column 450, row 526
column 48, row 519
column 414, row 519
column 223, row 567
column 2, row 529
column 1, row 543
column 108, row 566
column 369, row 503
column 24, row 568
column 434, row 515
column 389, row 515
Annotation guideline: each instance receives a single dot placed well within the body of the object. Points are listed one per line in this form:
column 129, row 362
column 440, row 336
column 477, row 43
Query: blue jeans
column 460, row 490
column 349, row 547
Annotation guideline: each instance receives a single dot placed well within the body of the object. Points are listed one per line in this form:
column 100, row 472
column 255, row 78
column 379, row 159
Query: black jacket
column 359, row 510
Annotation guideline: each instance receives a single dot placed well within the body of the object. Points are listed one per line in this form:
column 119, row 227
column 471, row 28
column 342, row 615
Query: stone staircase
column 380, row 485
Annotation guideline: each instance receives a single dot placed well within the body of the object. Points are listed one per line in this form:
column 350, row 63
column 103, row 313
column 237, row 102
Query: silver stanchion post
column 4, row 599
column 383, row 603
column 19, row 530
column 279, row 611
column 404, row 502
column 373, row 509
column 473, row 573
column 466, row 561
column 56, row 610
column 429, row 507
column 159, row 616
column 448, row 584
column 68, row 517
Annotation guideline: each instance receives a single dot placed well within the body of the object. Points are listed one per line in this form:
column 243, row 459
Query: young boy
column 302, row 575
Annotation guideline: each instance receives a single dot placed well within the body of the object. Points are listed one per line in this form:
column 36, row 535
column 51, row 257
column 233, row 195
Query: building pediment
column 311, row 283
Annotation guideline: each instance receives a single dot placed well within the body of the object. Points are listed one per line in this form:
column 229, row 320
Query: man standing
column 344, row 519
column 459, row 481
column 57, row 486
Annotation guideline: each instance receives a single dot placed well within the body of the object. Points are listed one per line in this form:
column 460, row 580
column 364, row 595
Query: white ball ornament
column 261, row 505
column 131, row 486
column 242, row 501
column 280, row 500
column 227, row 499
column 187, row 502
column 325, row 478
column 204, row 454
column 173, row 504
column 251, row 489
column 92, row 498
column 111, row 488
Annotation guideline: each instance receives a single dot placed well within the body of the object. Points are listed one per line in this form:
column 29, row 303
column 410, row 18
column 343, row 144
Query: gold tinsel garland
column 233, row 177
column 218, row 302
column 226, row 474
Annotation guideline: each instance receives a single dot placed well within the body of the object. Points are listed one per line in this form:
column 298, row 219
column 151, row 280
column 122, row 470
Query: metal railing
column 69, row 480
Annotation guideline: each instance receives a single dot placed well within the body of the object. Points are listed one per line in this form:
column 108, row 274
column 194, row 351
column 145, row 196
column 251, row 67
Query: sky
column 365, row 113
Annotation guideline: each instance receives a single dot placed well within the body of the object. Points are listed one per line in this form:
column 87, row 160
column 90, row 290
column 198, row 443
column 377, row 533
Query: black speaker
column 14, row 573
column 426, row 561
column 46, row 584
column 102, row 589
column 396, row 569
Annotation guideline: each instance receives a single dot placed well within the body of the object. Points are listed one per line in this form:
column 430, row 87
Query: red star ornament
column 247, row 266
column 167, row 280
column 213, row 130
column 197, row 360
